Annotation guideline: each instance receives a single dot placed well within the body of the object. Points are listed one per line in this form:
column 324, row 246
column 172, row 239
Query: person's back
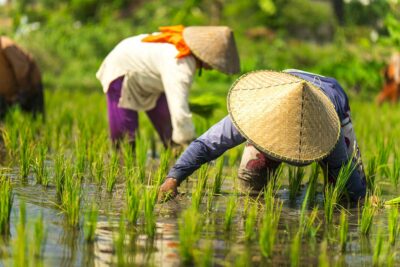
column 391, row 88
column 20, row 79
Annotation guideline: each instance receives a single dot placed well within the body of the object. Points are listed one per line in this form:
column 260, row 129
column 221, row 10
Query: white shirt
column 150, row 69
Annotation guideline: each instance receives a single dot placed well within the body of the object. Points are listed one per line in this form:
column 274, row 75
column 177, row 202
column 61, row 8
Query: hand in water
column 168, row 190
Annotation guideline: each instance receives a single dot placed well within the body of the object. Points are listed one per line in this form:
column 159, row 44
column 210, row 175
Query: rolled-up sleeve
column 209, row 146
column 177, row 77
column 356, row 187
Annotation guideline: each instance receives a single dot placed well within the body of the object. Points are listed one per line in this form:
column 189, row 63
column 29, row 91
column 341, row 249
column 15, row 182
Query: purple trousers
column 124, row 122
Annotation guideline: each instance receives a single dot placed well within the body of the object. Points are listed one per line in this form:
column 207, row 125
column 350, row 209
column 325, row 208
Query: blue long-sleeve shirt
column 224, row 135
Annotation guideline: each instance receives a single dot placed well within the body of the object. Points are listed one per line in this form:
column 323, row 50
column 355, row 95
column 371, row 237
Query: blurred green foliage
column 70, row 38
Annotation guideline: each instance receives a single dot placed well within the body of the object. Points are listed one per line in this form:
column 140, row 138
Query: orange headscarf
column 172, row 35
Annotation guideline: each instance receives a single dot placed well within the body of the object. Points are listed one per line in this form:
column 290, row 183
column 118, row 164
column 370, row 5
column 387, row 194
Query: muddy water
column 65, row 246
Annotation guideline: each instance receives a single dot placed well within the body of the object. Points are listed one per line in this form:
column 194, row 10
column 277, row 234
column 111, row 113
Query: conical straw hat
column 214, row 45
column 284, row 116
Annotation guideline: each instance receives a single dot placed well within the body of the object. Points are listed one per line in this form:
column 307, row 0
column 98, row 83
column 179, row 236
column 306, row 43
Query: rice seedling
column 39, row 167
column 6, row 201
column 163, row 167
column 295, row 250
column 384, row 151
column 129, row 159
column 394, row 201
column 210, row 198
column 24, row 157
column 10, row 140
column 389, row 256
column 98, row 168
column 313, row 182
column 80, row 157
column 112, row 172
column 270, row 221
column 202, row 176
column 367, row 215
column 204, row 257
column 268, row 230
column 393, row 225
column 343, row 230
column 59, row 174
column 333, row 193
column 296, row 175
column 198, row 191
column 90, row 223
column 323, row 259
column 230, row 213
column 247, row 203
column 149, row 201
column 371, row 172
column 307, row 223
column 394, row 173
column 19, row 245
column 141, row 148
column 119, row 243
column 376, row 258
column 251, row 222
column 189, row 224
column 71, row 196
column 133, row 195
column 39, row 240
column 233, row 156
column 218, row 177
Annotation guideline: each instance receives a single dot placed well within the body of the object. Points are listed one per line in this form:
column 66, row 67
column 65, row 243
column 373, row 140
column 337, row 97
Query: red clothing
column 391, row 88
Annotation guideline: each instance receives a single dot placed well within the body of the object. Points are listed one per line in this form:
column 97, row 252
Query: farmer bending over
column 292, row 116
column 20, row 79
column 153, row 73
column 391, row 88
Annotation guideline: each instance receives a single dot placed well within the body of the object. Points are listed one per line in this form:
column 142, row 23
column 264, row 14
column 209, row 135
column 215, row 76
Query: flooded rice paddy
column 75, row 202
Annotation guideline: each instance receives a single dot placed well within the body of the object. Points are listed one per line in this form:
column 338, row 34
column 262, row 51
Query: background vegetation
column 350, row 40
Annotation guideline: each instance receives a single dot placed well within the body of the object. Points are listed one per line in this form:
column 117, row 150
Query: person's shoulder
column 6, row 41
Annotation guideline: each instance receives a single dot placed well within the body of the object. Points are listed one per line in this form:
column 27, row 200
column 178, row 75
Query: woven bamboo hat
column 214, row 45
column 284, row 116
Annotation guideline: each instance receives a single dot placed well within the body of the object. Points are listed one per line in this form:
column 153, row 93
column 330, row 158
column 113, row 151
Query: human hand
column 373, row 200
column 168, row 190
